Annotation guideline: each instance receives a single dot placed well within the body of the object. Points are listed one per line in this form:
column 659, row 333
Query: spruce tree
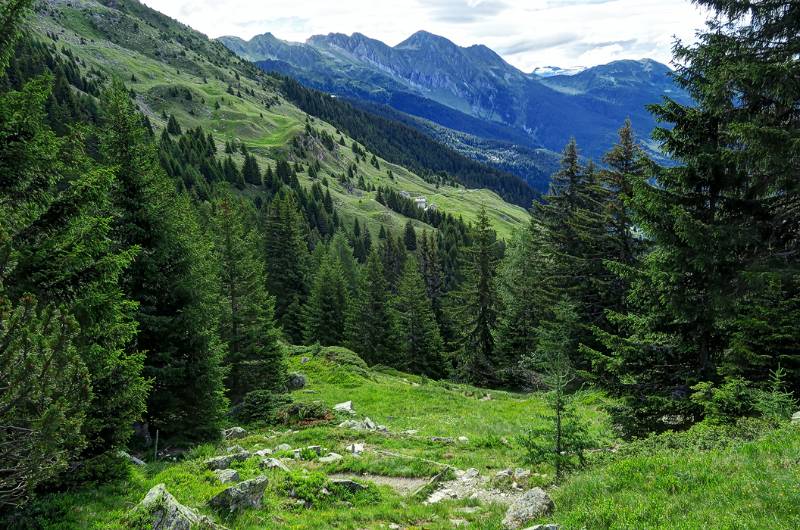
column 255, row 359
column 251, row 173
column 410, row 237
column 286, row 255
column 327, row 305
column 340, row 250
column 476, row 306
column 173, row 280
column 416, row 327
column 368, row 328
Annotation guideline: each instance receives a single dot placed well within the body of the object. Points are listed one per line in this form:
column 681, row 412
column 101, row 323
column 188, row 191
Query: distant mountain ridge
column 473, row 90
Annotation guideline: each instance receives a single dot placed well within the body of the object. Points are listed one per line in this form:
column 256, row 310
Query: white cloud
column 527, row 33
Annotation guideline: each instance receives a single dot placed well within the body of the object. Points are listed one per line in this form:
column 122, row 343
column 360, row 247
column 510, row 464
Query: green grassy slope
column 744, row 485
column 176, row 70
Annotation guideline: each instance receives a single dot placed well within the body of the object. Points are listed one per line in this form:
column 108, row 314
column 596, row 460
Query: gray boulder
column 796, row 418
column 296, row 381
column 129, row 457
column 346, row 406
column 247, row 494
column 226, row 476
column 234, row 433
column 283, row 447
column 549, row 526
column 530, row 505
column 272, row 463
column 330, row 458
column 225, row 461
column 350, row 485
column 166, row 513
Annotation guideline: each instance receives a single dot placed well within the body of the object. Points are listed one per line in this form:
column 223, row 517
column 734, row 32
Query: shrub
column 345, row 357
column 307, row 412
column 261, row 406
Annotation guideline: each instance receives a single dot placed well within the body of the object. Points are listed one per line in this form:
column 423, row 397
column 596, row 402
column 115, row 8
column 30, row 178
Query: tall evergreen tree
column 410, row 237
column 255, row 359
column 416, row 327
column 286, row 262
column 173, row 280
column 368, row 326
column 251, row 173
column 340, row 250
column 476, row 305
column 327, row 305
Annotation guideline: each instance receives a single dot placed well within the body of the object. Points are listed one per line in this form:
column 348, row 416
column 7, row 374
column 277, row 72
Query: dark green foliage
column 250, row 170
column 254, row 359
column 417, row 332
column 173, row 127
column 368, row 326
column 262, row 406
column 324, row 313
column 475, row 306
column 410, row 237
column 173, row 280
column 286, row 255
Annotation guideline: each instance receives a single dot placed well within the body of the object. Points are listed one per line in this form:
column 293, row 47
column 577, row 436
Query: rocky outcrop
column 225, row 461
column 226, row 476
column 163, row 512
column 234, row 433
column 247, row 494
column 530, row 505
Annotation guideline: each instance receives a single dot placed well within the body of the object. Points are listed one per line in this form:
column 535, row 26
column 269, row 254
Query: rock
column 350, row 485
column 227, row 475
column 272, row 463
column 315, row 448
column 369, row 424
column 463, row 439
column 504, row 473
column 470, row 474
column 521, row 474
column 247, row 494
column 433, row 483
column 304, row 360
column 225, row 461
column 440, row 495
column 347, row 406
column 132, row 459
column 283, row 447
column 234, row 433
column 356, row 448
column 410, row 432
column 532, row 504
column 295, row 381
column 382, row 428
column 545, row 527
column 796, row 417
column 166, row 513
column 331, row 457
column 442, row 439
column 235, row 449
column 351, row 424
column 487, row 397
column 263, row 452
column 394, row 526
column 459, row 522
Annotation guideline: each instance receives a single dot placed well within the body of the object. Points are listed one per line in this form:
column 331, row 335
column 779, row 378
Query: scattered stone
column 263, row 452
column 295, row 381
column 796, row 417
column 247, row 494
column 487, row 397
column 369, row 424
column 132, row 459
column 225, row 461
column 350, row 485
column 234, row 433
column 382, row 428
column 470, row 474
column 532, row 504
column 545, row 527
column 395, row 526
column 459, row 522
column 410, row 432
column 356, row 448
column 166, row 513
column 365, row 425
column 330, row 458
column 521, row 474
column 440, row 495
column 304, row 360
column 433, row 482
column 504, row 473
column 235, row 449
column 347, row 406
column 463, row 439
column 272, row 463
column 227, row 475
column 442, row 439
column 283, row 447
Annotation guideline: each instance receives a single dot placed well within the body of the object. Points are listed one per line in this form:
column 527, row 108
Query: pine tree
column 416, row 327
column 173, row 281
column 340, row 250
column 327, row 305
column 476, row 306
column 173, row 127
column 255, row 359
column 250, row 170
column 410, row 237
column 287, row 263
column 368, row 328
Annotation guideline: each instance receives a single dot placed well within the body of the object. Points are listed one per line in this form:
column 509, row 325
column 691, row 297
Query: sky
column 526, row 33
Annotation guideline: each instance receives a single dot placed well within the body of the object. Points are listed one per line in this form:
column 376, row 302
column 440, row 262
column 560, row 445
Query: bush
column 725, row 403
column 261, row 406
column 308, row 412
column 345, row 357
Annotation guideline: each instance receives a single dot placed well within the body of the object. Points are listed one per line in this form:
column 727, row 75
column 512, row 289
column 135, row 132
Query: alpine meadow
column 250, row 283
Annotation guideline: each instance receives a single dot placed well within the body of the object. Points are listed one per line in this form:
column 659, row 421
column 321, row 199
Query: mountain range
column 473, row 100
